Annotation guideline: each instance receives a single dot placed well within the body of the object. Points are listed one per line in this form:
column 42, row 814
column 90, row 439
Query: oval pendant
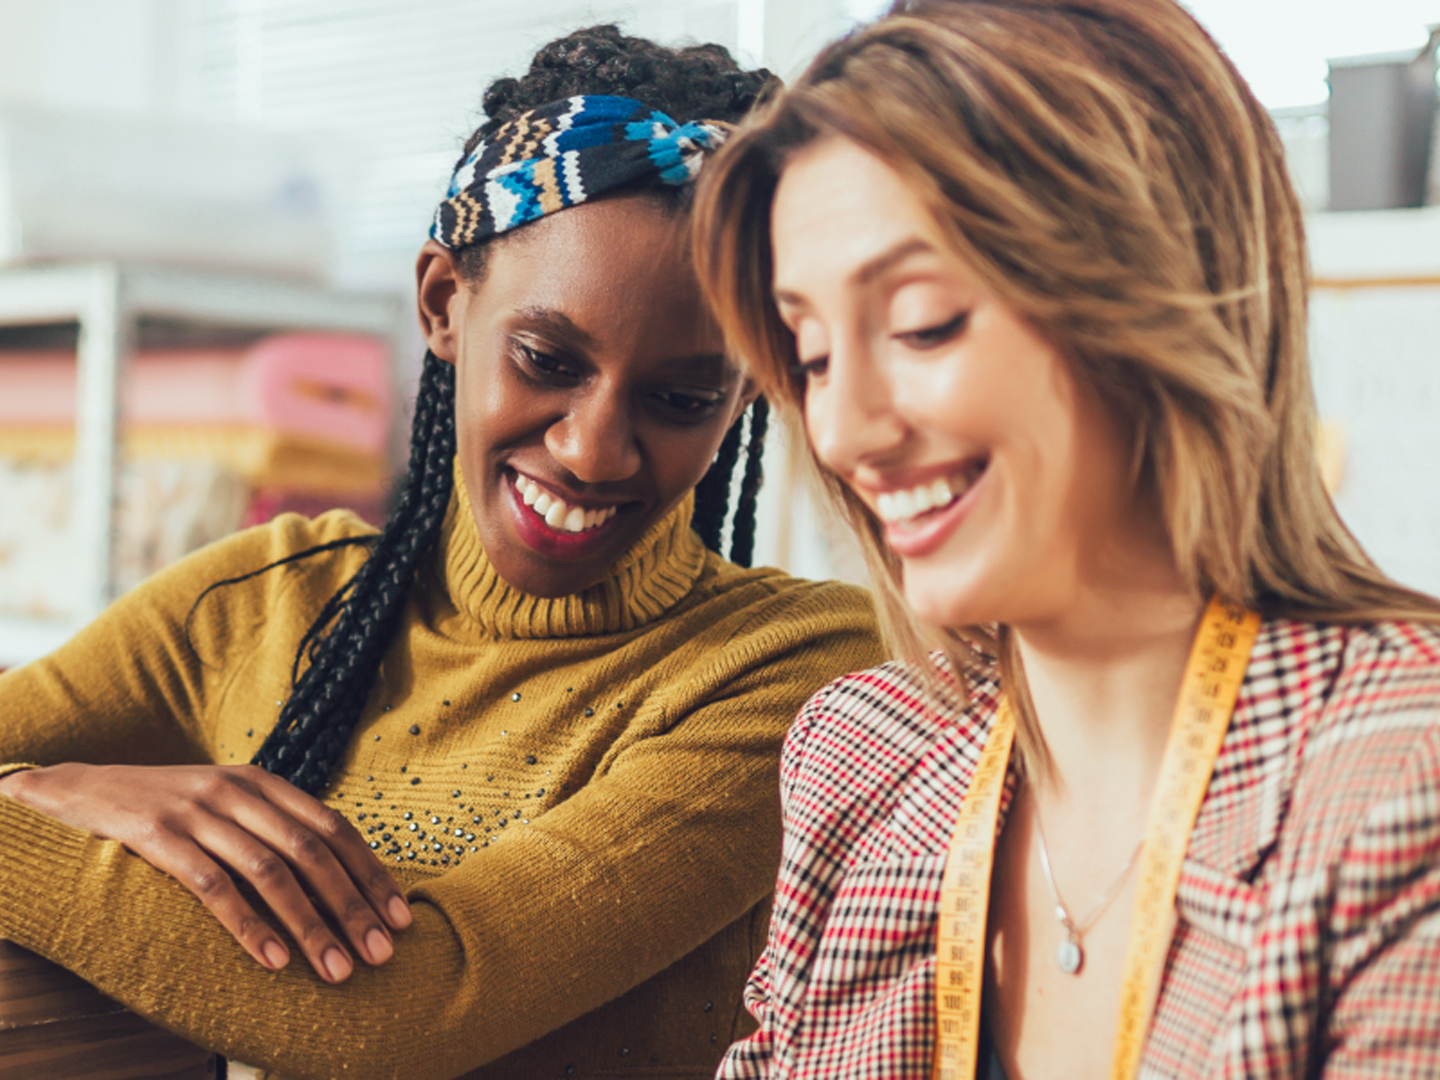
column 1069, row 957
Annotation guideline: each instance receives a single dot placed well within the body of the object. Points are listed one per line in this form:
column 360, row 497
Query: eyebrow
column 872, row 268
column 560, row 324
column 702, row 366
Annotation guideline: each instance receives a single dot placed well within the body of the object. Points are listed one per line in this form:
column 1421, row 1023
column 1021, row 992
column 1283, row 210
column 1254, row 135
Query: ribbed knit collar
column 645, row 582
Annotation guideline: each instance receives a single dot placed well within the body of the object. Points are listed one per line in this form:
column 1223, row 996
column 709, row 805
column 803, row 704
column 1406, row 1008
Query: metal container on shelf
column 1382, row 115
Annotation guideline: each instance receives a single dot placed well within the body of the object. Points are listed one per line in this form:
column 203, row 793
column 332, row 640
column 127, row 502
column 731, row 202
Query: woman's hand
column 193, row 822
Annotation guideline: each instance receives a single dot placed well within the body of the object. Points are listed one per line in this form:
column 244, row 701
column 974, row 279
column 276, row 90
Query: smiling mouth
column 911, row 506
column 558, row 514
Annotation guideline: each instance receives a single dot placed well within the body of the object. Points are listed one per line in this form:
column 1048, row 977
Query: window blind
column 392, row 87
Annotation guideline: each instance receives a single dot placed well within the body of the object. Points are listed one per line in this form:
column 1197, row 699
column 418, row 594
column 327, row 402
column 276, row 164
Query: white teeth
column 895, row 506
column 557, row 513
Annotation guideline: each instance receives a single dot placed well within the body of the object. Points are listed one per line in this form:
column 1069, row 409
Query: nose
column 851, row 416
column 595, row 439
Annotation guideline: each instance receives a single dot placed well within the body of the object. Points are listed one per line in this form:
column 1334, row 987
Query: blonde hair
column 1104, row 170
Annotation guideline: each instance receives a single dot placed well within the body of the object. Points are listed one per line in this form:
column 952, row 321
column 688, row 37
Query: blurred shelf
column 108, row 301
column 71, row 293
column 1351, row 248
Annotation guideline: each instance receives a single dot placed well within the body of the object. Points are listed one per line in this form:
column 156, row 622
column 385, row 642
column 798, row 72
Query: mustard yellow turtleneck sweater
column 578, row 796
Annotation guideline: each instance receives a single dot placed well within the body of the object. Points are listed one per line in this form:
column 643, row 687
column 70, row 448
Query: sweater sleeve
column 122, row 690
column 675, row 837
column 135, row 685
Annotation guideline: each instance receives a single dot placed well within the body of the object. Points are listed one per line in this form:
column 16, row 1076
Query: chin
column 938, row 600
column 935, row 610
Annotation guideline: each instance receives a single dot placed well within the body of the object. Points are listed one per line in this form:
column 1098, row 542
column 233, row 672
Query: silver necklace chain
column 1070, row 956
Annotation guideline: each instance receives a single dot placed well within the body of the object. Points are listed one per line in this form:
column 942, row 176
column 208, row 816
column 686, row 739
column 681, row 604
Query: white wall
column 1377, row 373
column 401, row 83
column 108, row 55
column 1375, row 354
column 393, row 85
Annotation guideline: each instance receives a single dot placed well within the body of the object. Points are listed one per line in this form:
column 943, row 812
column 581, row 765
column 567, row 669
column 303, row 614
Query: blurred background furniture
column 262, row 423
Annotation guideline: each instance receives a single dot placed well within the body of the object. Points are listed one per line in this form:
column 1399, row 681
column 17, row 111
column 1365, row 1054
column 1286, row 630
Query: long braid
column 742, row 530
column 329, row 696
column 712, row 494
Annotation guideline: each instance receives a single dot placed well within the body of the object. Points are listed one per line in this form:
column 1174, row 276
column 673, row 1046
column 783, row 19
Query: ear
column 438, row 292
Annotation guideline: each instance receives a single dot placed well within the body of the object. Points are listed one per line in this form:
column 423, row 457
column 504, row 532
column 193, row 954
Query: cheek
column 956, row 398
column 491, row 404
column 468, row 407
column 821, row 412
column 678, row 456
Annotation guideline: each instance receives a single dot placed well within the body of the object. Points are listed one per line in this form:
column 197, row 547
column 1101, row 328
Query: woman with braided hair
column 516, row 751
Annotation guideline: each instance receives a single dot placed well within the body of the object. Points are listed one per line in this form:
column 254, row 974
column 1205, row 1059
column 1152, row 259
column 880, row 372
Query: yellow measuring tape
column 1211, row 684
column 964, row 897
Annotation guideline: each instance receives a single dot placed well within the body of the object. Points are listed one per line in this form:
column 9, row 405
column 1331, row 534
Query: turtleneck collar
column 643, row 584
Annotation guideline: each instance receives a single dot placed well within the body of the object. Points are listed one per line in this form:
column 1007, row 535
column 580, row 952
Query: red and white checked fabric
column 1308, row 941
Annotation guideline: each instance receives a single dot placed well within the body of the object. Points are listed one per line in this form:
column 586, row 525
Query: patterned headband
column 561, row 154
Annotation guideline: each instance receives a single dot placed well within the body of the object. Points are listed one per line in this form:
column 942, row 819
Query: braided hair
column 341, row 651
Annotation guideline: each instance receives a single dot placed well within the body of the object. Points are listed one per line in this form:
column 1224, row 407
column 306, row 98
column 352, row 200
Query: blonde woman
column 1033, row 276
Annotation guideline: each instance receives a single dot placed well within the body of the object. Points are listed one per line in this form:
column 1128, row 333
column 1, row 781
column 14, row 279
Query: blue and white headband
column 561, row 154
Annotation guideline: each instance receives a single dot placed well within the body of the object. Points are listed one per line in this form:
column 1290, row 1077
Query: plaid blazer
column 1308, row 938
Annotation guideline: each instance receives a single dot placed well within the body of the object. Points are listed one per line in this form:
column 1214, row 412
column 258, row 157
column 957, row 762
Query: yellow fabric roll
column 261, row 456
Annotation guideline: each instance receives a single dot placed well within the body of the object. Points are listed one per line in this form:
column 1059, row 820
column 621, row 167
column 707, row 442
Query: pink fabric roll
column 329, row 387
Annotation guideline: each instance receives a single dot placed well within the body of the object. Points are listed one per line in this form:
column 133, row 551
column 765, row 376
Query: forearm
column 109, row 695
column 539, row 933
column 143, row 683
column 143, row 939
column 44, row 729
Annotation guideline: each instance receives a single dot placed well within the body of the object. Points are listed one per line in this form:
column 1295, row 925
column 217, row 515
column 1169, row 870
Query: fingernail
column 399, row 911
column 378, row 946
column 337, row 965
column 275, row 954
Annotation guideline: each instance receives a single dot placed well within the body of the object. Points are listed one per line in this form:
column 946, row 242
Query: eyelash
column 699, row 409
column 543, row 367
column 546, row 369
column 805, row 370
column 931, row 337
